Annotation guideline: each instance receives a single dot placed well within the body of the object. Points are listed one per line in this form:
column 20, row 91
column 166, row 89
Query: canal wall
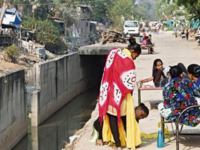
column 60, row 80
column 12, row 109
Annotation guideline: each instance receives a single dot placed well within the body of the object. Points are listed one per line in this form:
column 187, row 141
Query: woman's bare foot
column 99, row 143
column 137, row 146
column 117, row 148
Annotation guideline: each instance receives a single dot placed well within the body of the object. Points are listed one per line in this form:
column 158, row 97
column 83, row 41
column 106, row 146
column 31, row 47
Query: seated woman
column 150, row 40
column 141, row 112
column 194, row 74
column 179, row 94
column 159, row 74
column 145, row 42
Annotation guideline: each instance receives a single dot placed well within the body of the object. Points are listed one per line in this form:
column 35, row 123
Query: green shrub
column 12, row 51
column 170, row 28
column 45, row 31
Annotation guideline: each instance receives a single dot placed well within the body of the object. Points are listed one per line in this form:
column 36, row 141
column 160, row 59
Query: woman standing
column 115, row 100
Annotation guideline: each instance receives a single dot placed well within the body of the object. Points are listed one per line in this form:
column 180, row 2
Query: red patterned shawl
column 118, row 79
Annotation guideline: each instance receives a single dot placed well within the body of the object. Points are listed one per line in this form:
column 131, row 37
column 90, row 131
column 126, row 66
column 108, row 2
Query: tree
column 43, row 11
column 164, row 9
column 192, row 6
column 139, row 12
column 45, row 31
column 100, row 9
column 121, row 9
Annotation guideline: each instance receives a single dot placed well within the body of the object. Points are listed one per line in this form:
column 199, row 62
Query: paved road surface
column 171, row 51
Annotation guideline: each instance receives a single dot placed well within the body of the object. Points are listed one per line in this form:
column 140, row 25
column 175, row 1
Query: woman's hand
column 139, row 83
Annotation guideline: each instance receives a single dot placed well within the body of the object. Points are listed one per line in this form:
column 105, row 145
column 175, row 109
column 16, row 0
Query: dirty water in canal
column 53, row 133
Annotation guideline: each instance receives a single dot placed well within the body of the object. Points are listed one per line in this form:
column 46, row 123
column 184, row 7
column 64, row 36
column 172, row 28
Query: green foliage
column 60, row 46
column 164, row 10
column 29, row 23
column 170, row 28
column 42, row 12
column 121, row 8
column 191, row 6
column 12, row 51
column 69, row 17
column 21, row 3
column 140, row 12
column 187, row 3
column 100, row 10
column 46, row 32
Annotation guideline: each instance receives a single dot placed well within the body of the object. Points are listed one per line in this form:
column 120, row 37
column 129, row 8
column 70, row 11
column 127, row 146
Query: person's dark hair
column 194, row 69
column 136, row 47
column 154, row 65
column 150, row 35
column 175, row 71
column 132, row 40
column 133, row 45
column 146, row 37
column 143, row 108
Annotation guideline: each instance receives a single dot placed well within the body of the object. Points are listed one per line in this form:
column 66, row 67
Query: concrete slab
column 98, row 49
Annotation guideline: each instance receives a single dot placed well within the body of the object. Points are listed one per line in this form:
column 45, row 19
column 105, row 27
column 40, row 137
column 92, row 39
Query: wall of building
column 12, row 109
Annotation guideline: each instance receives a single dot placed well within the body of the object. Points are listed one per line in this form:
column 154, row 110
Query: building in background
column 83, row 24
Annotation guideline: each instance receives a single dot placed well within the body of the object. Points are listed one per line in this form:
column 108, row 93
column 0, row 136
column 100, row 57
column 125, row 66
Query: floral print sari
column 179, row 94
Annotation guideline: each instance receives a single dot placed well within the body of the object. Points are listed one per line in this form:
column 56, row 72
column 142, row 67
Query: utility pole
column 3, row 10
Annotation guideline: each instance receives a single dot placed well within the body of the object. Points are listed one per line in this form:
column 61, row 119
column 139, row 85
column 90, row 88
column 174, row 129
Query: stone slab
column 97, row 49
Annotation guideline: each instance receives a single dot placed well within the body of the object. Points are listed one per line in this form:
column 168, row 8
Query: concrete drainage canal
column 54, row 132
column 59, row 99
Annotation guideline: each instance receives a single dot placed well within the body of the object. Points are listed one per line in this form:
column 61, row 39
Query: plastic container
column 160, row 140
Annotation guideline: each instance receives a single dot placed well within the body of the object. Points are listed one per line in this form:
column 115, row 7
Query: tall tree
column 192, row 6
column 165, row 10
column 46, row 32
column 121, row 10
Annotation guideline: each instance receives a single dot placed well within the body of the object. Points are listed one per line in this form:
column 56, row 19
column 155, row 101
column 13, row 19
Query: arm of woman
column 145, row 80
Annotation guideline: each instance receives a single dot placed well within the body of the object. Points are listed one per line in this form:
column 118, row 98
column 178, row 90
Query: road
column 172, row 51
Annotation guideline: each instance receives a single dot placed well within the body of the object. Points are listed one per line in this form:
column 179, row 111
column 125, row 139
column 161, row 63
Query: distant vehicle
column 132, row 28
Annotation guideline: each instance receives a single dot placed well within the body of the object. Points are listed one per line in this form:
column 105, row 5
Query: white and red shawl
column 118, row 79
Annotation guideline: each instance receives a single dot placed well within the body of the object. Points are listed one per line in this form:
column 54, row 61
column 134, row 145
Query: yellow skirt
column 133, row 132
